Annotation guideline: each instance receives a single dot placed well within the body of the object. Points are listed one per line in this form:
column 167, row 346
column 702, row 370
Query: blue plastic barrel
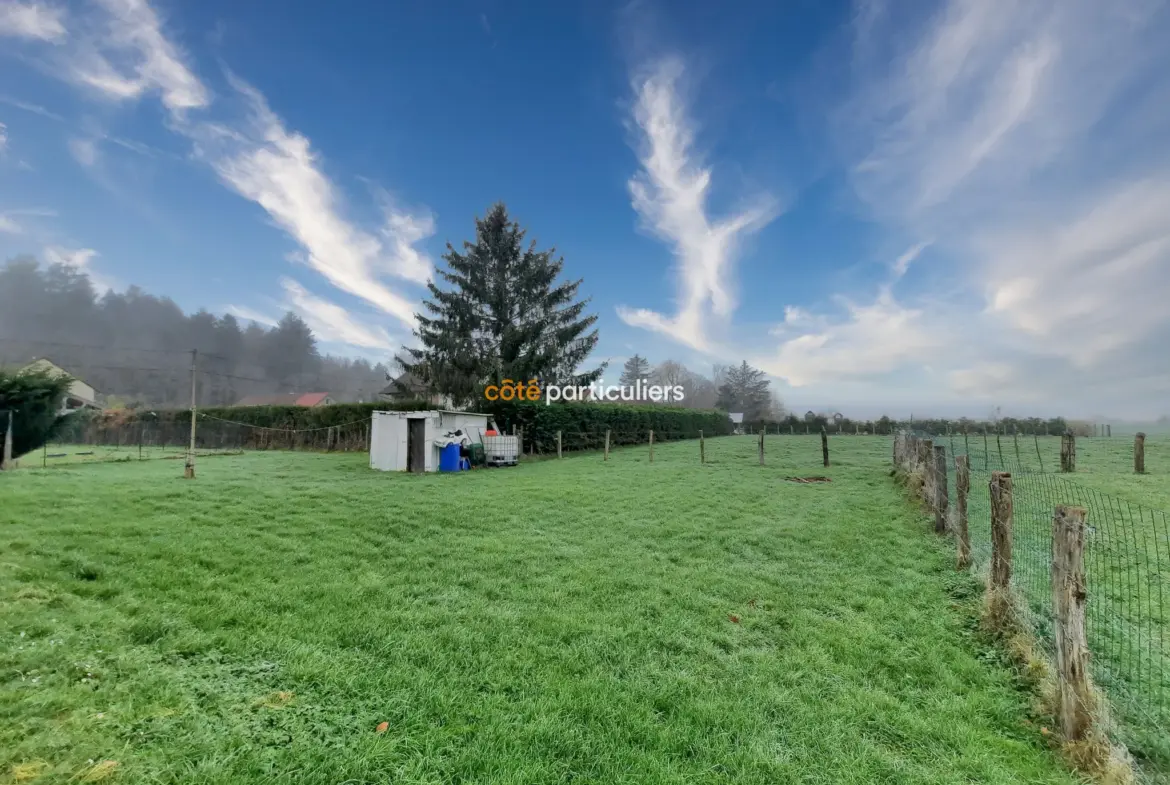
column 449, row 458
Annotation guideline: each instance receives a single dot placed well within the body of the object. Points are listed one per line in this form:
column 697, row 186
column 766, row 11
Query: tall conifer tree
column 502, row 314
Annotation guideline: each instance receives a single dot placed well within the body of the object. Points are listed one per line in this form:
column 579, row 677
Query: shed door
column 416, row 445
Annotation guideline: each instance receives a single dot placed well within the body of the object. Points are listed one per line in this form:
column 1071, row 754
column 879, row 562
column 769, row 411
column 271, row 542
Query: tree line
column 134, row 348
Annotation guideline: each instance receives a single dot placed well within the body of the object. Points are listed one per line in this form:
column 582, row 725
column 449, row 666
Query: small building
column 405, row 441
column 79, row 396
column 408, row 387
column 287, row 399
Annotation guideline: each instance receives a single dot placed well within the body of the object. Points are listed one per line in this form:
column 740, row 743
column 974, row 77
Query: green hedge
column 344, row 426
column 583, row 425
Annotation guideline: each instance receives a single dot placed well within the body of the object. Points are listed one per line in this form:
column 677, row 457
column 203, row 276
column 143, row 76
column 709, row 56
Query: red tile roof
column 312, row 399
column 284, row 399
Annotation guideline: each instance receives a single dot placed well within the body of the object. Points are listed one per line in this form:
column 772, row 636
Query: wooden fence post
column 1139, row 453
column 1068, row 609
column 941, row 499
column 999, row 603
column 926, row 465
column 558, row 444
column 1068, row 452
column 651, row 446
column 761, row 448
column 825, row 446
column 702, row 449
column 962, row 489
column 606, row 456
column 1108, row 431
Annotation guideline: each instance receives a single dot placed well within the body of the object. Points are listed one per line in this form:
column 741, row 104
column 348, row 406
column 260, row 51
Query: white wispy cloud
column 9, row 225
column 1028, row 141
column 252, row 315
column 3, row 138
column 332, row 323
column 670, row 196
column 39, row 21
column 871, row 339
column 903, row 262
column 30, row 107
column 265, row 162
column 121, row 52
column 84, row 151
column 131, row 56
column 72, row 257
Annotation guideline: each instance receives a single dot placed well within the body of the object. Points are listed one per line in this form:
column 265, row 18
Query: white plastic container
column 501, row 450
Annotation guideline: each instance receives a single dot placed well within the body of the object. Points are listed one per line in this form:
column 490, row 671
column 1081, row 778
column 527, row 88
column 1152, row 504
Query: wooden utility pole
column 189, row 469
column 606, row 456
column 825, row 446
column 1139, row 453
column 761, row 448
column 558, row 444
column 1076, row 703
column 941, row 496
column 962, row 489
column 702, row 449
column 651, row 446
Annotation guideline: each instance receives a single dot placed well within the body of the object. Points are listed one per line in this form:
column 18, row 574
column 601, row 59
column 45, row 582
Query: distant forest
column 135, row 348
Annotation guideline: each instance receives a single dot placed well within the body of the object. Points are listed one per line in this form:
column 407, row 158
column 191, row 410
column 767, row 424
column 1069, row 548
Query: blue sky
column 888, row 207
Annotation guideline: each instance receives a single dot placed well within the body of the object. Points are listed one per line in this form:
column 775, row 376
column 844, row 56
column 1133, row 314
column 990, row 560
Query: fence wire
column 1127, row 574
column 112, row 441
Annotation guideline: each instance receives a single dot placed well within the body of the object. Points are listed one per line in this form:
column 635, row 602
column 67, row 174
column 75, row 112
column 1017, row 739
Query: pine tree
column 502, row 315
column 637, row 367
column 745, row 389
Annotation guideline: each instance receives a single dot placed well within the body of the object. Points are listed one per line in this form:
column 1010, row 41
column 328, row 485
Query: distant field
column 1105, row 464
column 573, row 620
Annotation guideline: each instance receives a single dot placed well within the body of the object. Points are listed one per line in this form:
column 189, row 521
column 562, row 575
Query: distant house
column 287, row 399
column 79, row 396
column 409, row 387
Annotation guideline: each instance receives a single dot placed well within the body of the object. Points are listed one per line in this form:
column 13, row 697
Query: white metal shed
column 405, row 441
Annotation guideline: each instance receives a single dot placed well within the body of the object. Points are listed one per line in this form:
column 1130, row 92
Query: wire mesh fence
column 1126, row 570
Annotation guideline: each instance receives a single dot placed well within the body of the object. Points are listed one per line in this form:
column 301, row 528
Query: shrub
column 34, row 398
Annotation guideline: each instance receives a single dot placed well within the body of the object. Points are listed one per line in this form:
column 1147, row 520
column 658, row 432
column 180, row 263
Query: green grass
column 57, row 455
column 563, row 621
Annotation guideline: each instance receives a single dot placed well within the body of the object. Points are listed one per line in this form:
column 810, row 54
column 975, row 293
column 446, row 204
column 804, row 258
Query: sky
column 929, row 208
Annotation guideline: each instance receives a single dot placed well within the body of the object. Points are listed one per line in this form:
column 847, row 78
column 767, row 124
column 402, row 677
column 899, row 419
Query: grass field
column 565, row 621
column 54, row 456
